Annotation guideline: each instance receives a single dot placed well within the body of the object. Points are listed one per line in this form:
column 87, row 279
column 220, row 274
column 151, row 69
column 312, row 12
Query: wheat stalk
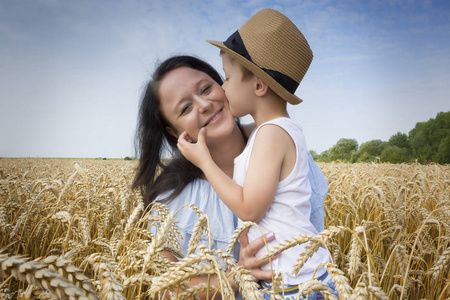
column 197, row 231
column 237, row 233
column 441, row 265
column 312, row 286
column 399, row 214
column 110, row 286
column 41, row 277
column 246, row 282
column 355, row 253
column 73, row 274
column 360, row 292
column 341, row 282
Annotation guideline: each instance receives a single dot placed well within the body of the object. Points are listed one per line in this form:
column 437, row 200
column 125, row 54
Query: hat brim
column 272, row 83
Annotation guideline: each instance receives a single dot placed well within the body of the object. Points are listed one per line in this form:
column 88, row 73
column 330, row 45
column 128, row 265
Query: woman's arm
column 247, row 259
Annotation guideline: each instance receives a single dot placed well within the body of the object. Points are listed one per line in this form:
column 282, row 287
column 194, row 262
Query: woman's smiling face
column 191, row 99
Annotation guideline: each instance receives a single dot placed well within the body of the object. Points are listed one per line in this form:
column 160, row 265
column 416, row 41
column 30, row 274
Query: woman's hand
column 247, row 257
column 196, row 153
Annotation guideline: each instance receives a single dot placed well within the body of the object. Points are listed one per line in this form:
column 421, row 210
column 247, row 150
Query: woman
column 185, row 94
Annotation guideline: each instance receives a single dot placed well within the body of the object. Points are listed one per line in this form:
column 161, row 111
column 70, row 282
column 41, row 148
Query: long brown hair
column 155, row 175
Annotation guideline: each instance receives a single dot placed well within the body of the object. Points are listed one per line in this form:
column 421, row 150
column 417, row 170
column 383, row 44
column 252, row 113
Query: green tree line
column 427, row 142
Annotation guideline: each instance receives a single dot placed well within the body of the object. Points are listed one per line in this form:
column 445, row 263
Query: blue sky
column 72, row 72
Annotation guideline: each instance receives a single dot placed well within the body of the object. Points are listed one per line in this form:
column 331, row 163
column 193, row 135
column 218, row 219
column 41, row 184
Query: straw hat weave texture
column 274, row 49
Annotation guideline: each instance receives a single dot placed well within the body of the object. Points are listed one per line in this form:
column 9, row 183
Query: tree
column 426, row 137
column 427, row 141
column 443, row 155
column 325, row 156
column 400, row 140
column 344, row 149
column 313, row 154
column 369, row 151
column 395, row 155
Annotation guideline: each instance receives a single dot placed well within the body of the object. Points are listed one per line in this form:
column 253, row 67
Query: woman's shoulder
column 192, row 193
column 200, row 193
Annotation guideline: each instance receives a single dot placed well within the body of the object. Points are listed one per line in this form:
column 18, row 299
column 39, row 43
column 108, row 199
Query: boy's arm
column 250, row 202
column 264, row 169
column 198, row 153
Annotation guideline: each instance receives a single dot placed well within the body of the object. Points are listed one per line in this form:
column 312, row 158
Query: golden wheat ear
column 42, row 277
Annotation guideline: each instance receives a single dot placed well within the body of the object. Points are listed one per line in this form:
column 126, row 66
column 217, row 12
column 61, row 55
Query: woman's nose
column 204, row 104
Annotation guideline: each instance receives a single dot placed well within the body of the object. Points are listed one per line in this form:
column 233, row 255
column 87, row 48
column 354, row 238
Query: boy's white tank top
column 289, row 214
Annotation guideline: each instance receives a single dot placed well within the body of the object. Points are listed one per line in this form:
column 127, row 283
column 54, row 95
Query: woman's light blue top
column 319, row 189
column 222, row 221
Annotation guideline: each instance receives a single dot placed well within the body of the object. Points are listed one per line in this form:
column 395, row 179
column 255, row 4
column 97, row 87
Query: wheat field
column 73, row 229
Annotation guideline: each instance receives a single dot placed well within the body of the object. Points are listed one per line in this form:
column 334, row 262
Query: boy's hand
column 196, row 153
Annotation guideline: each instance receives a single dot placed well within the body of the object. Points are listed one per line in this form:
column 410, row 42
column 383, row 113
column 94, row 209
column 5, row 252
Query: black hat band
column 235, row 43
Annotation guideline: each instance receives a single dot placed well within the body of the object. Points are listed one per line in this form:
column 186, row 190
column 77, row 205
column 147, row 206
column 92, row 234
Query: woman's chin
column 220, row 131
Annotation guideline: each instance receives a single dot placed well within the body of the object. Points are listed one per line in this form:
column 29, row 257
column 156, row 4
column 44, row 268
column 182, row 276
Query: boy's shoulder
column 285, row 123
column 279, row 129
column 275, row 132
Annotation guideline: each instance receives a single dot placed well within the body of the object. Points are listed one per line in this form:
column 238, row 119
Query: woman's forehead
column 186, row 75
column 180, row 81
column 183, row 77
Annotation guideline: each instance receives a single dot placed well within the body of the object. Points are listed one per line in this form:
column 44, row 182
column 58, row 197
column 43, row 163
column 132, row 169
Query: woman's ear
column 261, row 88
column 171, row 132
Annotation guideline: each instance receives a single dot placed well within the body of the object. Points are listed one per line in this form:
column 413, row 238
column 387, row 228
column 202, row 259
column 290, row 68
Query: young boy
column 264, row 62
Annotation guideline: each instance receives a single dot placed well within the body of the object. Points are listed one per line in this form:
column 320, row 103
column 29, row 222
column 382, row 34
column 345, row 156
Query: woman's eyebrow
column 201, row 81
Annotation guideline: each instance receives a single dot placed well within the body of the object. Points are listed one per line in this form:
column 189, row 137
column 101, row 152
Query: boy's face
column 239, row 92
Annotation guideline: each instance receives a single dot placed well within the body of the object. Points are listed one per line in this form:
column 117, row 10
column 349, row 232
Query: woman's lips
column 214, row 118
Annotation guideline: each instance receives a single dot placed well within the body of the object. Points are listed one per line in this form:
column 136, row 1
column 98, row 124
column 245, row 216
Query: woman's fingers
column 260, row 242
column 262, row 262
column 243, row 239
column 248, row 251
column 262, row 275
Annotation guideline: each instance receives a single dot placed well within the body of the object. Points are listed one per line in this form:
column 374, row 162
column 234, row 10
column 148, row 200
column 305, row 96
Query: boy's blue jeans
column 292, row 295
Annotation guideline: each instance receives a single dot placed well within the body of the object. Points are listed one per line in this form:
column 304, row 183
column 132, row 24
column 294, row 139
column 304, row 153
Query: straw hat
column 272, row 48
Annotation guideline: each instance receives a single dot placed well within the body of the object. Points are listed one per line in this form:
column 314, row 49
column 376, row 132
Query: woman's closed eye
column 185, row 109
column 206, row 89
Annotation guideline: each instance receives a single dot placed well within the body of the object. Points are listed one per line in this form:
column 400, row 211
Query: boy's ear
column 261, row 88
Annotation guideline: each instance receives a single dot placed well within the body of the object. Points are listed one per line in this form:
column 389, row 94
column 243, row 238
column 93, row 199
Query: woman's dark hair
column 154, row 176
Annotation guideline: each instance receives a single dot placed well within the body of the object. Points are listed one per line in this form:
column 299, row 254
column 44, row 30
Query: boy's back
column 289, row 213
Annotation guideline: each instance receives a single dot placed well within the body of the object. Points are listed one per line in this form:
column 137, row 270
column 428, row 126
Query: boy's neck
column 268, row 108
